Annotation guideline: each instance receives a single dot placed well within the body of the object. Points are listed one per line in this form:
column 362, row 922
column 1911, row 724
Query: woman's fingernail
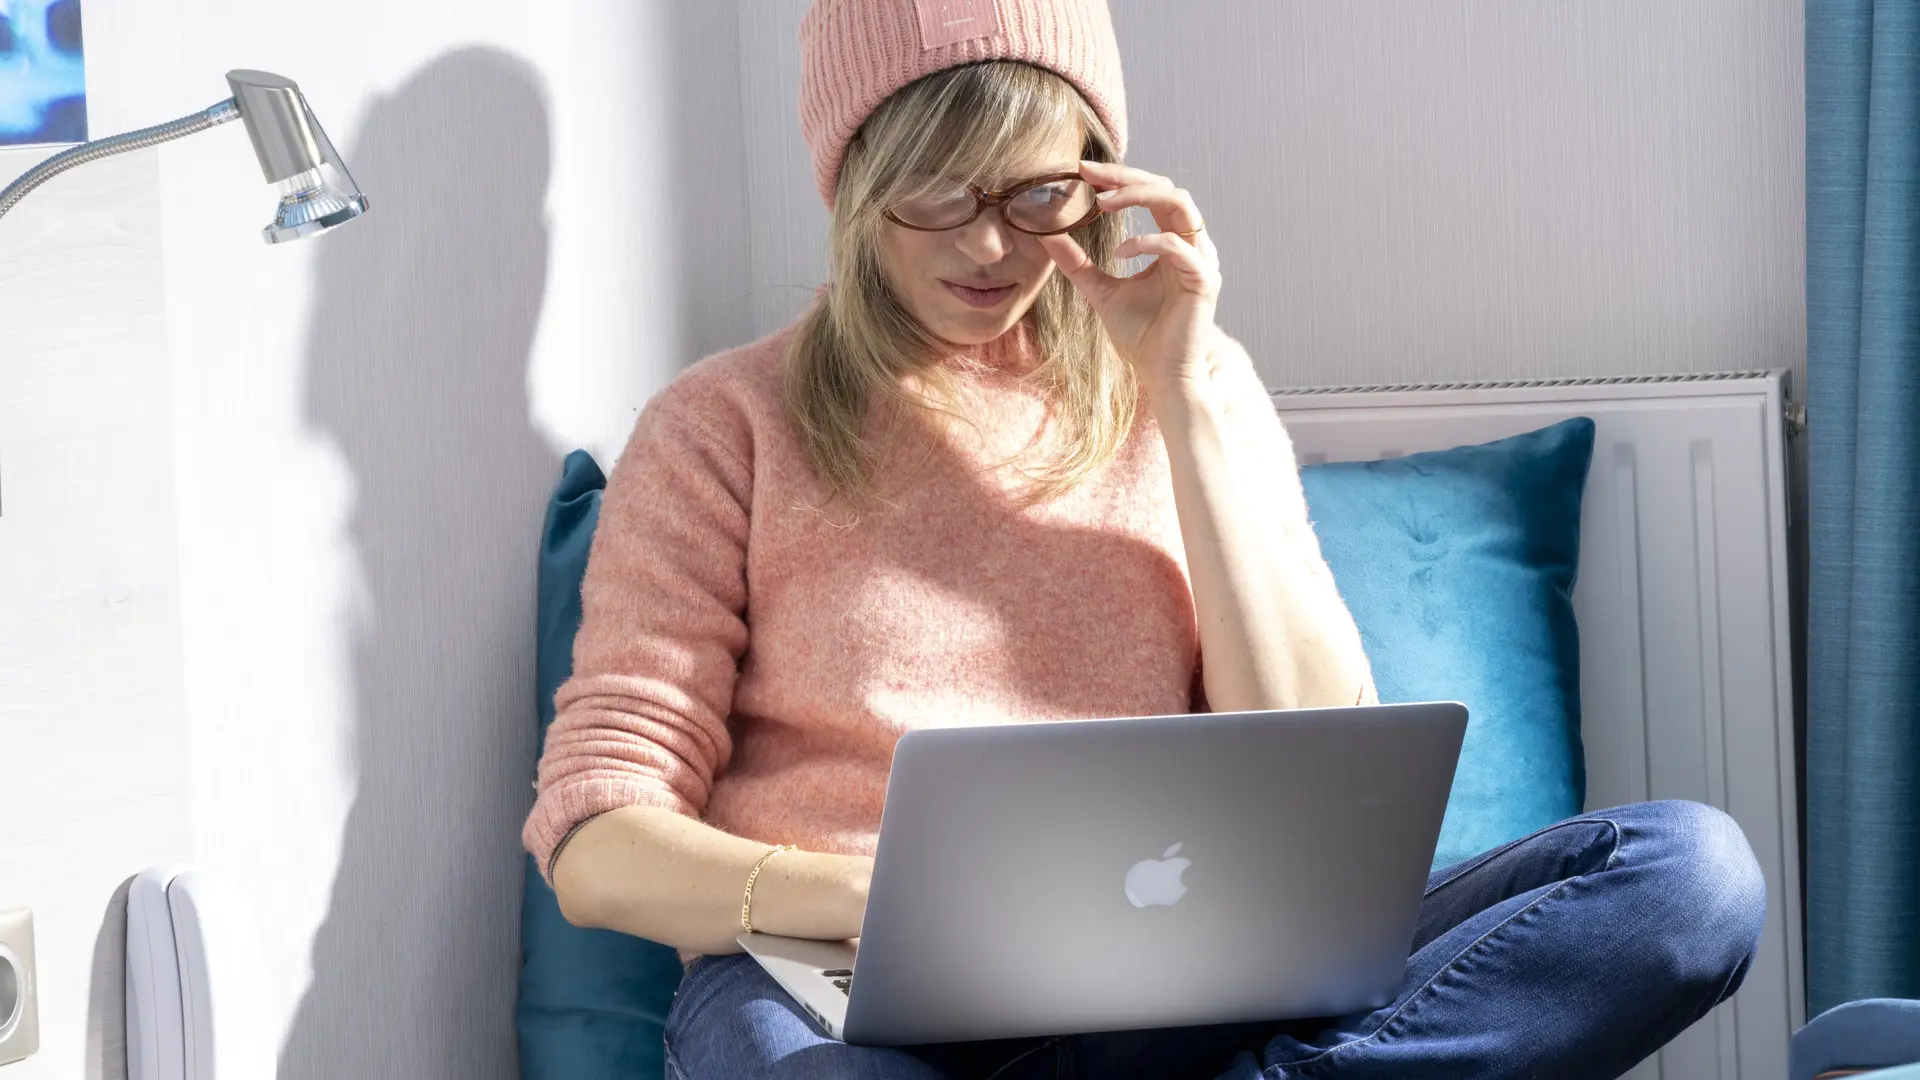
column 1106, row 194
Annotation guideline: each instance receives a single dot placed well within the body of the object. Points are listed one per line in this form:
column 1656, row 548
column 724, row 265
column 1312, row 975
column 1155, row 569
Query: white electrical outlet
column 19, row 1004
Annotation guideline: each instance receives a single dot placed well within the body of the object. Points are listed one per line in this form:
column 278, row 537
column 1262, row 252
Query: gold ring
column 1197, row 230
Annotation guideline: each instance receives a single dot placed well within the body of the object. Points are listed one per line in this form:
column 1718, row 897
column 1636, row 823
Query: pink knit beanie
column 854, row 53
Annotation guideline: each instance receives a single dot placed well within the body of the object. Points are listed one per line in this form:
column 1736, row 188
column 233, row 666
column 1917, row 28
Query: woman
column 984, row 480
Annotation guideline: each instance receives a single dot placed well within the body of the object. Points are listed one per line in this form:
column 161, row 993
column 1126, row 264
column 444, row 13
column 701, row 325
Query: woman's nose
column 986, row 239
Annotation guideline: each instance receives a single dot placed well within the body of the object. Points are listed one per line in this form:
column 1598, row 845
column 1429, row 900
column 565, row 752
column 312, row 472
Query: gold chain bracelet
column 746, row 902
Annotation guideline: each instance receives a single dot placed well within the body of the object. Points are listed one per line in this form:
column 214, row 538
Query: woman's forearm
column 663, row 876
column 1274, row 633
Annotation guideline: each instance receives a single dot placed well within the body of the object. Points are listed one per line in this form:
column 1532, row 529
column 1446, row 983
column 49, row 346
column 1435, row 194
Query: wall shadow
column 415, row 370
column 106, row 1052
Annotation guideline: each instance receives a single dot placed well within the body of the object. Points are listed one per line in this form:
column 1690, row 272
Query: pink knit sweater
column 751, row 662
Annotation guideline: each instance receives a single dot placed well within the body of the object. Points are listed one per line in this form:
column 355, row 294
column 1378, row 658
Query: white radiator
column 1682, row 602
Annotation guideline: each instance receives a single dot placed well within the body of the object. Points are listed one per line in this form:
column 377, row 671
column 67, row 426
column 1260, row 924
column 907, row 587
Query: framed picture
column 43, row 82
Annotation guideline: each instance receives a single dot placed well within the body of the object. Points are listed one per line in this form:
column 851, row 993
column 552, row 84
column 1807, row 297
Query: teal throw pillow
column 593, row 1003
column 1458, row 566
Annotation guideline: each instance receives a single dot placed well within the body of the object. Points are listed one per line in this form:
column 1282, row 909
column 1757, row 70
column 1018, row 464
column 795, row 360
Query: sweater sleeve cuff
column 562, row 809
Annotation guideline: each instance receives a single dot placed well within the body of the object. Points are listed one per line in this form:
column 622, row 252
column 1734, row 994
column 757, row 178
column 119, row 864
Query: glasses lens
column 940, row 207
column 1054, row 206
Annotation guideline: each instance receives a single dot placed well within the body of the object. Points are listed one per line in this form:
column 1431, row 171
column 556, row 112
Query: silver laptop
column 1101, row 875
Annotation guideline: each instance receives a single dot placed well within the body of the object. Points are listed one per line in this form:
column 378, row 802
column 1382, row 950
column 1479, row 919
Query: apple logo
column 1157, row 881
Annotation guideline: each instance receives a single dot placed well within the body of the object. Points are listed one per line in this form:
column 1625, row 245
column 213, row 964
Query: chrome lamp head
column 316, row 191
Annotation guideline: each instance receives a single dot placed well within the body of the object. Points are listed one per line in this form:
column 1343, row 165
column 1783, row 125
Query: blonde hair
column 852, row 350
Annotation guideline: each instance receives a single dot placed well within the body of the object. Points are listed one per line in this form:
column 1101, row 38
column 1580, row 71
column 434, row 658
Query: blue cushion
column 593, row 1003
column 1863, row 1034
column 1458, row 566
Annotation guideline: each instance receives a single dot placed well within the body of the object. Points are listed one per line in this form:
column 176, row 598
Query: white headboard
column 1682, row 602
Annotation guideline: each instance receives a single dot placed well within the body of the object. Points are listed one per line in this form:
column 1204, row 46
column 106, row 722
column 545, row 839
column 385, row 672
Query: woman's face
column 969, row 285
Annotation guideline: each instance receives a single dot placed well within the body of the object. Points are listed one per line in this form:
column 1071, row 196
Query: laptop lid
column 1100, row 875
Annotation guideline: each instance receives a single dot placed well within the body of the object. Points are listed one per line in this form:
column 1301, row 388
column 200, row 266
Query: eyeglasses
column 1042, row 206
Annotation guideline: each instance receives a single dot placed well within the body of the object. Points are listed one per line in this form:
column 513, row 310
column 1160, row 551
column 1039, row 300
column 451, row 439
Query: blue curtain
column 1863, row 405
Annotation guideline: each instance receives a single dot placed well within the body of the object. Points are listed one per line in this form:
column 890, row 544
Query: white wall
column 363, row 430
column 351, row 437
column 92, row 731
column 367, row 428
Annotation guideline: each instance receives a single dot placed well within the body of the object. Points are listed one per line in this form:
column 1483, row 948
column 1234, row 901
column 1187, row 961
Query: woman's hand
column 1160, row 319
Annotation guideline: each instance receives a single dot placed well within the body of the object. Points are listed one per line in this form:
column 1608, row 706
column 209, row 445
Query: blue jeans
column 1571, row 953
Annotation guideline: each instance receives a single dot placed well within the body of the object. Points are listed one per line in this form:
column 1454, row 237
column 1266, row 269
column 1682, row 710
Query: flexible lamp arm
column 294, row 152
column 99, row 148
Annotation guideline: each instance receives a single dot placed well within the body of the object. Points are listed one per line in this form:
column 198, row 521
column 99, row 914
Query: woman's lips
column 981, row 298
